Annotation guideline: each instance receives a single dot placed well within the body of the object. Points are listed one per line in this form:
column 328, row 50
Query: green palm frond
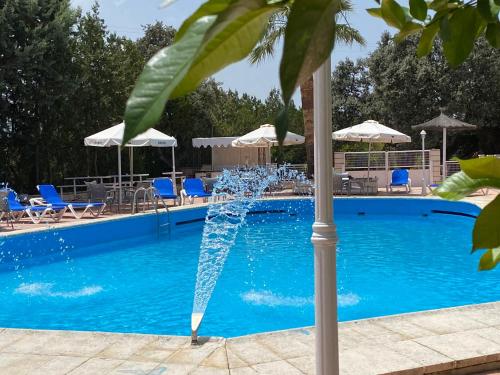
column 277, row 25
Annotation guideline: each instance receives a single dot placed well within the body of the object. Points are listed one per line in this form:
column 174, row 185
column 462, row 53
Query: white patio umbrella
column 370, row 132
column 113, row 136
column 265, row 137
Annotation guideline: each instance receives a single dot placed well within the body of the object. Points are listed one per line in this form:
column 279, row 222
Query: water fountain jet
column 242, row 188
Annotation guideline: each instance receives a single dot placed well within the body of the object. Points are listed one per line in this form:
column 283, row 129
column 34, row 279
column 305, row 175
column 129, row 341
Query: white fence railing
column 385, row 160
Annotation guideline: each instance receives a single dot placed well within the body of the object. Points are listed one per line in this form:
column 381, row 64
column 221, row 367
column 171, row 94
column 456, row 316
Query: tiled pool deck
column 463, row 340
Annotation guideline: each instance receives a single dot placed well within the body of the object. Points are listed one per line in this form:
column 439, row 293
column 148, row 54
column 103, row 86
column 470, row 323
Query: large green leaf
column 393, row 14
column 409, row 28
column 459, row 33
column 489, row 260
column 427, row 39
column 160, row 77
column 309, row 40
column 460, row 185
column 488, row 10
column 486, row 234
column 232, row 38
column 487, row 167
column 376, row 12
column 209, row 8
column 209, row 44
column 493, row 34
column 418, row 9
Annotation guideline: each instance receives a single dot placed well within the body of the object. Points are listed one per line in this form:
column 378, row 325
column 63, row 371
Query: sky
column 126, row 17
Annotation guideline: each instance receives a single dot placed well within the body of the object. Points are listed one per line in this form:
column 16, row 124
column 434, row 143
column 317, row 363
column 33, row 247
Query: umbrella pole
column 119, row 178
column 444, row 153
column 174, row 182
column 131, row 157
column 369, row 153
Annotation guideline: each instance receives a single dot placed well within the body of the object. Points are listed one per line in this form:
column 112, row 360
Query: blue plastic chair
column 193, row 188
column 401, row 177
column 164, row 189
column 52, row 197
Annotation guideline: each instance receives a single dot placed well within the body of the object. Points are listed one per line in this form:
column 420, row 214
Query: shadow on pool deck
column 463, row 340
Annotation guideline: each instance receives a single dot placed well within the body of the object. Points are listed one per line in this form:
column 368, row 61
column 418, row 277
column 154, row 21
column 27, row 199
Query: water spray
column 242, row 187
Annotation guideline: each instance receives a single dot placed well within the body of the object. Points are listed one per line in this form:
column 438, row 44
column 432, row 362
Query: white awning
column 213, row 142
column 265, row 136
column 370, row 131
column 113, row 136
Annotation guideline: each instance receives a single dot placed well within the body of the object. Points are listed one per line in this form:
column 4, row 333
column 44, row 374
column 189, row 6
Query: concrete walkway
column 451, row 341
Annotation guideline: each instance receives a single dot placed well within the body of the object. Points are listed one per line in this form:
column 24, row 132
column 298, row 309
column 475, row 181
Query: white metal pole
column 369, row 154
column 324, row 237
column 131, row 156
column 444, row 153
column 119, row 177
column 424, row 188
column 174, row 181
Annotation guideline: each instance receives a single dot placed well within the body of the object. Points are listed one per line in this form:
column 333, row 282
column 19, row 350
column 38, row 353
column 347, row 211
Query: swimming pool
column 394, row 256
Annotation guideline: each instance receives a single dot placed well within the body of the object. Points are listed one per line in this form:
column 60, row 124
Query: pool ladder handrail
column 151, row 193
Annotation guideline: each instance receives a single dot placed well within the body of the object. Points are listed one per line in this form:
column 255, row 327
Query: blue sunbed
column 193, row 188
column 50, row 195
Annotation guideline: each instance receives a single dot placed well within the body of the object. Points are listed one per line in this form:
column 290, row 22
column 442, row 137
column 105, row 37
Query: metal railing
column 149, row 196
column 385, row 160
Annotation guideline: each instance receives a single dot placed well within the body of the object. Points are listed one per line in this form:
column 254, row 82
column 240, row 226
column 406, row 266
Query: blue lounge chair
column 401, row 177
column 164, row 189
column 13, row 210
column 50, row 195
column 193, row 188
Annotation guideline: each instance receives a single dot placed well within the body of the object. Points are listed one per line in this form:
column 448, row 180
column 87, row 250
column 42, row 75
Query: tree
column 459, row 24
column 220, row 33
column 274, row 33
column 35, row 82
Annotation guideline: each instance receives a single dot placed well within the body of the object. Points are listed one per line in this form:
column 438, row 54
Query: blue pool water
column 394, row 256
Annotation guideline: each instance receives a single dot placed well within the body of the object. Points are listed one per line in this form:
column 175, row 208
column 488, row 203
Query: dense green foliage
column 458, row 23
column 399, row 90
column 64, row 76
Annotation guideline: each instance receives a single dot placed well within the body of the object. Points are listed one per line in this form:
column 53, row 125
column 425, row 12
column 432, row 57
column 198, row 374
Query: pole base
column 196, row 319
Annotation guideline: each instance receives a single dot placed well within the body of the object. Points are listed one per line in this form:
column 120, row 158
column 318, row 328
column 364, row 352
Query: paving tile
column 202, row 370
column 443, row 322
column 251, row 351
column 217, row 359
column 286, row 346
column 276, row 368
column 488, row 314
column 402, row 326
column 136, row 368
column 59, row 365
column 429, row 359
column 372, row 330
column 96, row 366
column 20, row 364
column 195, row 354
column 10, row 336
column 84, row 344
column 233, row 360
column 490, row 333
column 374, row 359
column 467, row 347
column 124, row 346
column 174, row 369
column 305, row 364
column 243, row 371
